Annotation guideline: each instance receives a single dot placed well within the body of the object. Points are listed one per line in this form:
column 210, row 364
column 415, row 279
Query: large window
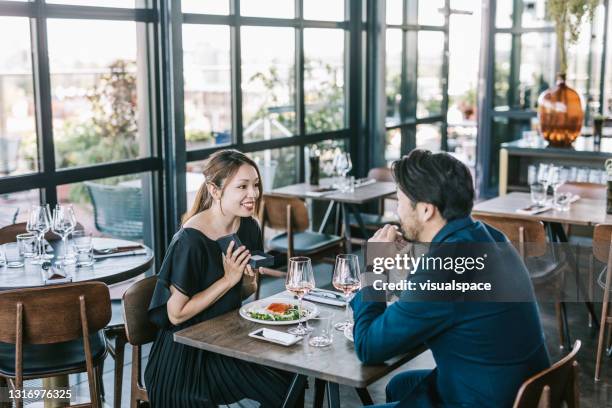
column 78, row 112
column 267, row 79
column 524, row 60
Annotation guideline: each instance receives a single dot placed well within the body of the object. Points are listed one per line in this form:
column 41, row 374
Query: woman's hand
column 235, row 263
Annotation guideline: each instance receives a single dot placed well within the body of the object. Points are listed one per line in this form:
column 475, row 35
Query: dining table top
column 360, row 195
column 107, row 270
column 228, row 335
column 585, row 211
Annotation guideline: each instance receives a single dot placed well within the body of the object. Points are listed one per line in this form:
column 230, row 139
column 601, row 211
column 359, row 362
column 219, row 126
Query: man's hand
column 388, row 233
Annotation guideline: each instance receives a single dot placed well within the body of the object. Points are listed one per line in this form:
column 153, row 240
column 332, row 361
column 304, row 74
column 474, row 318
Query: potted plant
column 560, row 108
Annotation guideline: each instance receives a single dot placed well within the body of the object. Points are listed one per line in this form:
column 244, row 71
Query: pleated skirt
column 177, row 376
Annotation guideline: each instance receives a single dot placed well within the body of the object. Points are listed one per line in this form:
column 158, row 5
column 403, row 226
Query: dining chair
column 54, row 331
column 529, row 239
column 8, row 215
column 289, row 214
column 139, row 331
column 602, row 237
column 554, row 386
column 578, row 234
column 9, row 233
column 374, row 221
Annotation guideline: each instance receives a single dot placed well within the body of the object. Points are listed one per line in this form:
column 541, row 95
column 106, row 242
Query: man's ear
column 427, row 211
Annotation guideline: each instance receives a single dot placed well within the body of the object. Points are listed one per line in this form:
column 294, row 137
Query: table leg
column 295, row 391
column 333, row 395
column 364, row 396
column 319, row 393
column 53, row 383
column 325, row 220
column 347, row 228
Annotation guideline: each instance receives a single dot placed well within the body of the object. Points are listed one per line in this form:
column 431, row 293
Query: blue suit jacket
column 483, row 351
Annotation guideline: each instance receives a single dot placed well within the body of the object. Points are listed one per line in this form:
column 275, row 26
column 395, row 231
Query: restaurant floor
column 593, row 394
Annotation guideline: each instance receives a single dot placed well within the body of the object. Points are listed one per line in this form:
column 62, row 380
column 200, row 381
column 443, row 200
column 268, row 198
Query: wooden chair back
column 585, row 190
column 380, row 174
column 139, row 331
column 55, row 314
column 284, row 213
column 9, row 233
column 602, row 236
column 553, row 386
column 528, row 236
column 136, row 301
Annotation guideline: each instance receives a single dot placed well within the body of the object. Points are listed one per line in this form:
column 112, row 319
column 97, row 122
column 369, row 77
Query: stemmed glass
column 39, row 222
column 342, row 165
column 299, row 281
column 346, row 279
column 64, row 222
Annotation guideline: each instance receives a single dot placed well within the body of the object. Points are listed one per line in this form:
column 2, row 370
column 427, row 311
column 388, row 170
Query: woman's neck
column 214, row 223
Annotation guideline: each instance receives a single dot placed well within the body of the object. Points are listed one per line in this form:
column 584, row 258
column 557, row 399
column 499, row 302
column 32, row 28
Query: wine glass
column 39, row 222
column 64, row 222
column 346, row 280
column 299, row 281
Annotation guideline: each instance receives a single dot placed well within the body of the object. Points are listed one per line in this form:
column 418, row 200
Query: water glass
column 13, row 256
column 27, row 244
column 538, row 193
column 322, row 330
column 83, row 248
column 561, row 201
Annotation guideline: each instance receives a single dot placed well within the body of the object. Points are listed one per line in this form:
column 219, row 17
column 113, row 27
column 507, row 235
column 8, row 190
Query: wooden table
column 347, row 201
column 586, row 212
column 107, row 270
column 331, row 366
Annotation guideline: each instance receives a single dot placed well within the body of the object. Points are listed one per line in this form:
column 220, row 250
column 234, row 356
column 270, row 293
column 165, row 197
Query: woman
column 198, row 282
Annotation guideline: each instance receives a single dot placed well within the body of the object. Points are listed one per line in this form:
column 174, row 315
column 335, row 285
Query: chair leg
column 96, row 398
column 600, row 342
column 559, row 314
column 591, row 266
column 319, row 391
column 120, row 342
column 99, row 373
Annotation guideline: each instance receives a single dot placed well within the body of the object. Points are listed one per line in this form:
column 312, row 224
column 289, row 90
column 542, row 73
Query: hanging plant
column 568, row 16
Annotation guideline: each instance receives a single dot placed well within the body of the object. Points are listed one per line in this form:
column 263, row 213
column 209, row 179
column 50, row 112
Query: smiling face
column 240, row 192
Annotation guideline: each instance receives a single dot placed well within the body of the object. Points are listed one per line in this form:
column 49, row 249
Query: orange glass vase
column 560, row 113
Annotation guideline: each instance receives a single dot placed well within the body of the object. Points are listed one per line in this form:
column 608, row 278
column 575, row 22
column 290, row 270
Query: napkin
column 276, row 335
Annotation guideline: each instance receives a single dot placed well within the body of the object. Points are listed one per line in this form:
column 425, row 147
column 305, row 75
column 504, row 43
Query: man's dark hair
column 438, row 179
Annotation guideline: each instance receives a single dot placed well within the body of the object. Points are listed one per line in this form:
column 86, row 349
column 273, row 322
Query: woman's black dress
column 182, row 376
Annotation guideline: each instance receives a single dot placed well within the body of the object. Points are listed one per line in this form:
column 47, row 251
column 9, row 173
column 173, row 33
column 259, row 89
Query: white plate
column 348, row 333
column 263, row 303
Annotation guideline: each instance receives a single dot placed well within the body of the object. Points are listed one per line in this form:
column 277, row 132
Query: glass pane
column 503, row 46
column 329, row 10
column 115, row 207
column 324, row 79
column 98, row 89
column 393, row 142
column 393, row 75
column 18, row 204
column 278, row 167
column 103, row 3
column 534, row 14
column 18, row 150
column 578, row 61
column 394, row 11
column 268, row 8
column 205, row 6
column 207, row 81
column 503, row 17
column 608, row 79
column 429, row 137
column 268, row 83
column 431, row 12
column 537, row 71
column 429, row 81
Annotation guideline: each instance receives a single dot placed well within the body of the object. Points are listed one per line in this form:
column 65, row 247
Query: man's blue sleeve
column 381, row 332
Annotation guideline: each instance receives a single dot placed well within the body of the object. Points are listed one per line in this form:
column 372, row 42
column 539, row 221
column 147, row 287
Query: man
column 483, row 351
